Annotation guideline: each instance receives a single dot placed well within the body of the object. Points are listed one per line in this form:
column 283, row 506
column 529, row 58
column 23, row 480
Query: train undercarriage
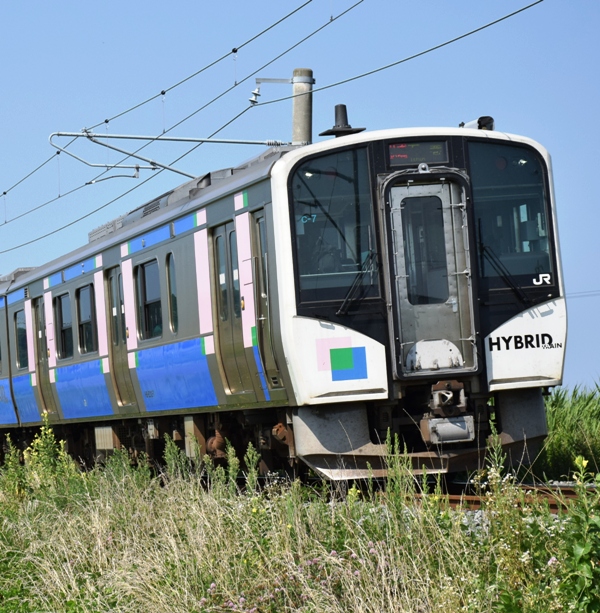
column 440, row 428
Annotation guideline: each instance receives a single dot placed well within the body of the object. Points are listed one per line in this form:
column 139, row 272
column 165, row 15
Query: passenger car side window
column 64, row 326
column 172, row 293
column 148, row 300
column 88, row 338
column 21, row 333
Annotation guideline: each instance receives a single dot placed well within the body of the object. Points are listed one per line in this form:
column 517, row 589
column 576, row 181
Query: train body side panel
column 77, row 366
column 8, row 415
column 175, row 376
column 329, row 363
column 23, row 386
column 23, row 358
column 201, row 260
column 529, row 349
column 82, row 390
column 172, row 368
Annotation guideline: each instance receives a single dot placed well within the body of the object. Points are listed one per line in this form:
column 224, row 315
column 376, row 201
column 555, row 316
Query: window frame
column 364, row 237
column 172, row 293
column 62, row 352
column 21, row 333
column 221, row 266
column 541, row 190
column 146, row 308
column 88, row 324
column 418, row 261
column 234, row 264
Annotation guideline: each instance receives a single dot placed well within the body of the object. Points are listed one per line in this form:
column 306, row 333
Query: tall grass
column 119, row 539
column 573, row 430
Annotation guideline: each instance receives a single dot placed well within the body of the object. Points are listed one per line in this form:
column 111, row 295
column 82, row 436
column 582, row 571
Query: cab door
column 433, row 305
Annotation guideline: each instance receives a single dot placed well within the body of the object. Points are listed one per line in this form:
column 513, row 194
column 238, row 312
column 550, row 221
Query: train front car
column 419, row 294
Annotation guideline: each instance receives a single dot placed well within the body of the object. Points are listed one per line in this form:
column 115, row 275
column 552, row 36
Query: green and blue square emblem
column 346, row 363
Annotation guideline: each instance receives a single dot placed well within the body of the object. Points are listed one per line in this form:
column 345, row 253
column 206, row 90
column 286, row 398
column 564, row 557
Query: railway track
column 556, row 497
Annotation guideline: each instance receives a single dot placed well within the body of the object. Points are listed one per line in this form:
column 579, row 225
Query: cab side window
column 332, row 216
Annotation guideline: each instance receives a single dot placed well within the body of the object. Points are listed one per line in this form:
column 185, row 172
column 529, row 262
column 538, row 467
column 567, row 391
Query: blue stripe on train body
column 261, row 374
column 25, row 399
column 7, row 408
column 175, row 376
column 81, row 389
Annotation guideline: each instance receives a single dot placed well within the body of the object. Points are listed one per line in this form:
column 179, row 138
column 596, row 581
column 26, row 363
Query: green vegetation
column 574, row 430
column 120, row 539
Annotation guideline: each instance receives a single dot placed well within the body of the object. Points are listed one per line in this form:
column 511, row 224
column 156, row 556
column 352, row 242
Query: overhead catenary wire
column 137, row 186
column 41, row 206
column 221, row 128
column 163, row 92
column 5, row 192
column 406, row 59
column 315, row 90
column 386, row 67
column 177, row 124
column 234, row 51
column 253, row 73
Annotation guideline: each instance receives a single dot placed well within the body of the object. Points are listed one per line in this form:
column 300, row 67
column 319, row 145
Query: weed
column 177, row 464
column 251, row 461
column 119, row 538
column 573, row 430
column 581, row 585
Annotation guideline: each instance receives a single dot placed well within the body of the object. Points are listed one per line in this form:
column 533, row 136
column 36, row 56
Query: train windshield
column 333, row 219
column 511, row 216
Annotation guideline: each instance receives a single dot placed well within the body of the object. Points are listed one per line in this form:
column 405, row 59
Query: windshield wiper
column 367, row 266
column 504, row 274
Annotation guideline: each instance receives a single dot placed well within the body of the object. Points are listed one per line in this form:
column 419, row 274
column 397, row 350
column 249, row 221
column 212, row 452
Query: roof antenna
column 341, row 127
column 482, row 123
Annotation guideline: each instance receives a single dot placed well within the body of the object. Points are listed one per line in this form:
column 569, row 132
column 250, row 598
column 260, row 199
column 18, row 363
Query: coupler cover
column 437, row 430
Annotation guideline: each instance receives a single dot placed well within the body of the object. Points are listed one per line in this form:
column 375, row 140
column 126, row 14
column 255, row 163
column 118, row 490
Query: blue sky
column 69, row 65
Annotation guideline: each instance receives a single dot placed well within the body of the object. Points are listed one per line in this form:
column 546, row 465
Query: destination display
column 415, row 153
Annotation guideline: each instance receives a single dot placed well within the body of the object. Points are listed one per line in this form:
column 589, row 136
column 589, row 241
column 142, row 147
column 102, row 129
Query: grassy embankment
column 119, row 539
column 574, row 430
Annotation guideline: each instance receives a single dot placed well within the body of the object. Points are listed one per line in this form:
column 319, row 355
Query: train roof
column 396, row 133
column 190, row 196
column 199, row 192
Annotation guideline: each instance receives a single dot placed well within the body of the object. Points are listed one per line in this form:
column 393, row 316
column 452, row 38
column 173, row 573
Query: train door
column 118, row 342
column 43, row 373
column 229, row 311
column 432, row 278
column 263, row 319
column 22, row 350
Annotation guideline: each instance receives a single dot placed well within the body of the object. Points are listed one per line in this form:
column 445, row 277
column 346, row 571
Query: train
column 316, row 301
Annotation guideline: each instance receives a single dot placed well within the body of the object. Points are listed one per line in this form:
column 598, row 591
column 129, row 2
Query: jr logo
column 543, row 278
